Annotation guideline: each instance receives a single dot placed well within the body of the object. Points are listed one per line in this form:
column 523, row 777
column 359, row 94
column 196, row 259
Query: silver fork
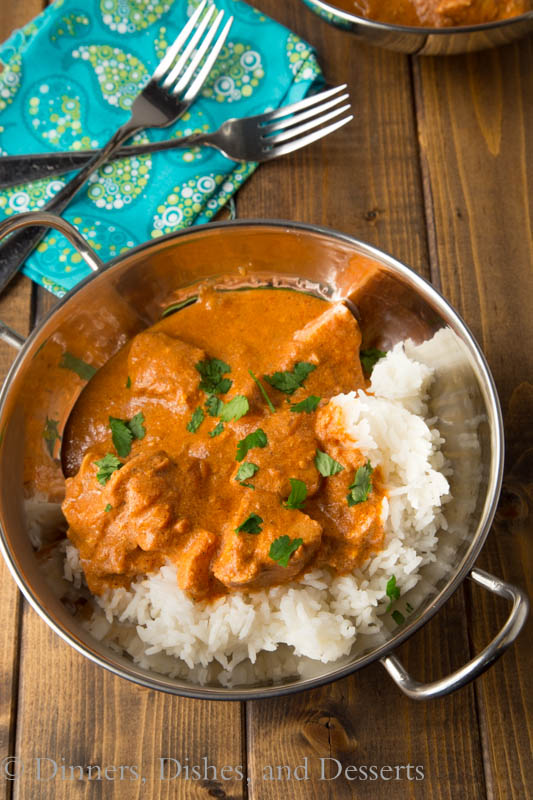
column 170, row 91
column 257, row 138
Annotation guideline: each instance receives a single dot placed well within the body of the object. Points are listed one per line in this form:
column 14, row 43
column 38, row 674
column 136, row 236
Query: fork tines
column 301, row 123
column 175, row 76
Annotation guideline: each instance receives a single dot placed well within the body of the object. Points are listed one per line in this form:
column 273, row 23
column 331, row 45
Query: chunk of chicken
column 289, row 453
column 331, row 343
column 143, row 519
column 162, row 367
column 244, row 561
column 193, row 560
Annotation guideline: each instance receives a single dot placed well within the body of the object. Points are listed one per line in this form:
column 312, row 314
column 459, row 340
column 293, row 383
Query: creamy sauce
column 176, row 497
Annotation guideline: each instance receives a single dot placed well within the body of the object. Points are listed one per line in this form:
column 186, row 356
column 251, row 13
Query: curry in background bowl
column 435, row 13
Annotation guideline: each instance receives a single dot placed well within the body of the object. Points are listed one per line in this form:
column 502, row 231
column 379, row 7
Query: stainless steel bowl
column 393, row 302
column 425, row 41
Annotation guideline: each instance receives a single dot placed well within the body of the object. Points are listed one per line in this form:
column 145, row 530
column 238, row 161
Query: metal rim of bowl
column 365, row 22
column 162, row 683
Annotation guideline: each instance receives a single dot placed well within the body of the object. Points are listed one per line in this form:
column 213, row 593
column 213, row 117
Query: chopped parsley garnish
column 369, row 358
column 106, row 467
column 128, row 382
column 398, row 617
column 123, row 432
column 212, row 371
column 245, row 471
column 235, row 409
column 196, row 420
column 251, row 524
column 308, row 405
column 362, row 485
column 282, row 549
column 216, row 430
column 298, row 494
column 262, row 389
column 393, row 592
column 108, row 508
column 288, row 382
column 81, row 368
column 327, row 465
column 256, row 439
column 51, row 434
column 213, row 405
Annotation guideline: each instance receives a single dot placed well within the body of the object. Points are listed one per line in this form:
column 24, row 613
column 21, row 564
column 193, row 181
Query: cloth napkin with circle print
column 68, row 81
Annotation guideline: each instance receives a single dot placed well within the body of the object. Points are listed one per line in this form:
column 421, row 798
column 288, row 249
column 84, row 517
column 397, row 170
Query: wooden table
column 437, row 168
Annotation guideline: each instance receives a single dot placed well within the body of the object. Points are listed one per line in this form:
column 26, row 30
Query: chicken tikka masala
column 208, row 442
column 435, row 13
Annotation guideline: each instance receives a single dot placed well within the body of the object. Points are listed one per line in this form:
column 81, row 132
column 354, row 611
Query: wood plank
column 480, row 189
column 15, row 305
column 95, row 719
column 365, row 180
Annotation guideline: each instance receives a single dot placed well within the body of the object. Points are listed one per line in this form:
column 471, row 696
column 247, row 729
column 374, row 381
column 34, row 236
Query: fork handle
column 15, row 170
column 18, row 246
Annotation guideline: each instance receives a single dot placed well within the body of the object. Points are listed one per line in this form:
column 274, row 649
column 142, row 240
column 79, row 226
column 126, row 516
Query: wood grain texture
column 77, row 714
column 15, row 307
column 364, row 179
column 481, row 184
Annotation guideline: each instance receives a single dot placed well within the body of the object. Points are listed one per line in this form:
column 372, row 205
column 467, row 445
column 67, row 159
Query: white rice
column 321, row 616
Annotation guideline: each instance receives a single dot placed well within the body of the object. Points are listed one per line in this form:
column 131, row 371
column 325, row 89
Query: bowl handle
column 505, row 637
column 50, row 221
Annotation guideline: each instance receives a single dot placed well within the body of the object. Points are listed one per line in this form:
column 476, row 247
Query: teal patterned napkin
column 68, row 81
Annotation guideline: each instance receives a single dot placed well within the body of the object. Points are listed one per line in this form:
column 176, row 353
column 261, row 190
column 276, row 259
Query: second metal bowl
column 425, row 41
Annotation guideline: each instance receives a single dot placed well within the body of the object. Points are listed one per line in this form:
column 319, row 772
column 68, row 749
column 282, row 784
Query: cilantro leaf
column 288, row 382
column 256, row 439
column 213, row 405
column 121, row 435
column 128, row 382
column 308, row 405
column 369, row 358
column 123, row 432
column 106, row 467
column 81, row 368
column 236, row 408
column 327, row 465
column 282, row 549
column 216, row 430
column 361, row 486
column 298, row 494
column 398, row 617
column 245, row 471
column 393, row 592
column 136, row 426
column 108, row 508
column 212, row 370
column 51, row 434
column 196, row 420
column 251, row 524
column 263, row 392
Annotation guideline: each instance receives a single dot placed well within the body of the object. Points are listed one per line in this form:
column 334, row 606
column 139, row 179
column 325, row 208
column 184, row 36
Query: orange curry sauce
column 176, row 497
column 435, row 13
